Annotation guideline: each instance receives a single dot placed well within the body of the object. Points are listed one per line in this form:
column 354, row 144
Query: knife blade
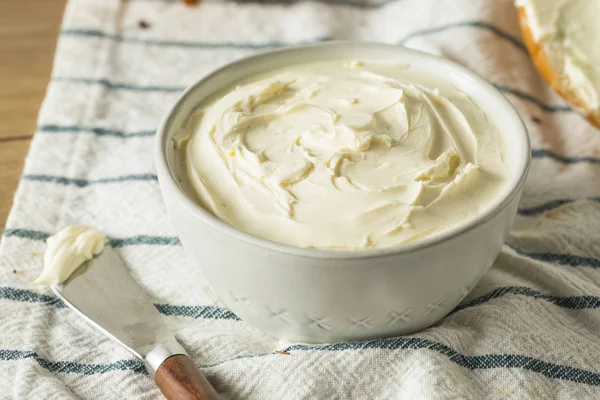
column 103, row 292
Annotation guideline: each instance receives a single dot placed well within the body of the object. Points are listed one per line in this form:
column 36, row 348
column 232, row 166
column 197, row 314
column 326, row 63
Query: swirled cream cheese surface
column 67, row 250
column 344, row 155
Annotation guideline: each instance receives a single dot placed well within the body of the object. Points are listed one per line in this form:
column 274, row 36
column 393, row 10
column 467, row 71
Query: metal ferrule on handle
column 160, row 353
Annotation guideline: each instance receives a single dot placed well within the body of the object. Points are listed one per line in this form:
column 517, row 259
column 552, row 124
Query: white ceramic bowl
column 312, row 295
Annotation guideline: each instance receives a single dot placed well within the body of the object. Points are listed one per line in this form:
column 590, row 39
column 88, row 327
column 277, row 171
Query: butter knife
column 103, row 293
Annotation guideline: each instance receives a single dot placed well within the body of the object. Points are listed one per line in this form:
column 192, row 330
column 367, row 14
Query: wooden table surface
column 28, row 33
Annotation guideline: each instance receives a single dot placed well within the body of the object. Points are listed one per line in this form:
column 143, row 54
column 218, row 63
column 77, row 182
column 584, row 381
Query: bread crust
column 539, row 57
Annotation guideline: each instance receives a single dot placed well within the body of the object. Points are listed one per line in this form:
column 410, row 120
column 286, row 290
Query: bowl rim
column 168, row 182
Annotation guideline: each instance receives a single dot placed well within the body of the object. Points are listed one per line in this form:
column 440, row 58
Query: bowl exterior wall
column 315, row 300
column 301, row 295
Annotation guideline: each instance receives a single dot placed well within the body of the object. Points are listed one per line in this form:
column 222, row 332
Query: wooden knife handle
column 178, row 378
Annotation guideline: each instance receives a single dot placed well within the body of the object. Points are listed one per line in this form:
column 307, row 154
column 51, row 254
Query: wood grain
column 28, row 33
column 178, row 378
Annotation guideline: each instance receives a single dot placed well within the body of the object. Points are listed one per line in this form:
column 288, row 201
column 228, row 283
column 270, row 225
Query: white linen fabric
column 529, row 330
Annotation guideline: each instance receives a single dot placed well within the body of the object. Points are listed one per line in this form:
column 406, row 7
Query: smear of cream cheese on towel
column 344, row 155
column 67, row 250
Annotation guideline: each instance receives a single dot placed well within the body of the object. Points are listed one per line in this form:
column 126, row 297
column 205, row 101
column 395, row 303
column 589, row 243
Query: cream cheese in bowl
column 344, row 155
column 324, row 199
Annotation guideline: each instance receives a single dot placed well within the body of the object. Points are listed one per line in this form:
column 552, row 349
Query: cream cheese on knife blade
column 344, row 155
column 67, row 250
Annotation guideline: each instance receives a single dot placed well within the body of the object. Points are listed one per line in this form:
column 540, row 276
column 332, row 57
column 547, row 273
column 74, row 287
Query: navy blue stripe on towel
column 570, row 302
column 539, row 153
column 196, row 312
column 551, row 205
column 467, row 24
column 98, row 131
column 68, row 367
column 93, row 33
column 61, row 180
column 25, row 234
column 529, row 98
column 21, row 295
column 119, row 85
column 571, row 260
column 481, row 362
column 208, row 312
column 114, row 242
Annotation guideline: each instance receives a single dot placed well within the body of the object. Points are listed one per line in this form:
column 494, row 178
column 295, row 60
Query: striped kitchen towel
column 530, row 329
